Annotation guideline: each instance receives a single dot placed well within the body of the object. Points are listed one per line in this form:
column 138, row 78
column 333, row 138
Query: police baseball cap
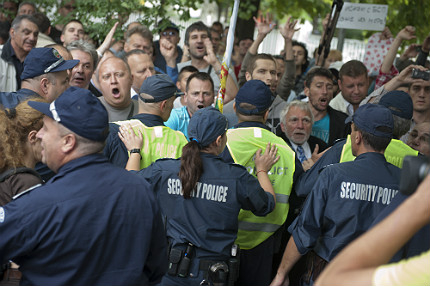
column 257, row 93
column 78, row 110
column 45, row 60
column 399, row 103
column 159, row 86
column 206, row 125
column 374, row 119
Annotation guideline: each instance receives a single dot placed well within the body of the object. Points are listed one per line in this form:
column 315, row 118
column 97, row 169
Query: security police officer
column 256, row 234
column 92, row 223
column 400, row 105
column 156, row 98
column 201, row 196
column 346, row 197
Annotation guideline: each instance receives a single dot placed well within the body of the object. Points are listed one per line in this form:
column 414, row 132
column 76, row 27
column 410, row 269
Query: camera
column 419, row 74
column 414, row 170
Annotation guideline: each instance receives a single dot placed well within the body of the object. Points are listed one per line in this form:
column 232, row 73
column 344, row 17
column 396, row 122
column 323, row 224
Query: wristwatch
column 136, row 151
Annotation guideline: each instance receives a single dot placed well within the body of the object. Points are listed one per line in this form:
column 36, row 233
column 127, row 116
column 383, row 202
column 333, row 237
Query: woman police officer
column 200, row 196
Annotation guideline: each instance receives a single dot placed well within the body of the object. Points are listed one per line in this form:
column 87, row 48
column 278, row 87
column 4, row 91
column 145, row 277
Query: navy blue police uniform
column 209, row 219
column 419, row 243
column 75, row 230
column 342, row 204
column 204, row 227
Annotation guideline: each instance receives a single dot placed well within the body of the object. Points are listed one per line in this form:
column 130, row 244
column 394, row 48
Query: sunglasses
column 171, row 33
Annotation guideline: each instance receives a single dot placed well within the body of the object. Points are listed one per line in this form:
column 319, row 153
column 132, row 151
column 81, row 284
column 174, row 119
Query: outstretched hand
column 288, row 30
column 129, row 138
column 268, row 159
column 264, row 25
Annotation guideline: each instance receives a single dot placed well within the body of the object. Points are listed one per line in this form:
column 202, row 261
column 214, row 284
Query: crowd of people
column 116, row 169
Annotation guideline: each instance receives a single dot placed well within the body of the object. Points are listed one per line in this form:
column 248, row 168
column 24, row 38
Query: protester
column 23, row 38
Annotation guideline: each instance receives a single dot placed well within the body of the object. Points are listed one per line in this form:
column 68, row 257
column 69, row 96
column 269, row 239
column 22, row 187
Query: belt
column 12, row 274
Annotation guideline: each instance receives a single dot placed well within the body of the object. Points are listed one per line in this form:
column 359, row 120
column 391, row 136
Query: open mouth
column 200, row 106
column 115, row 93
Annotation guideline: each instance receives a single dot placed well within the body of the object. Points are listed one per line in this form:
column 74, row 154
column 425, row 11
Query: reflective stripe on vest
column 394, row 154
column 242, row 144
column 158, row 142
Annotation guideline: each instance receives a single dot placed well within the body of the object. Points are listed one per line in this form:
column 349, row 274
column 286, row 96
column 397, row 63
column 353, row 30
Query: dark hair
column 4, row 30
column 43, row 21
column 244, row 38
column 253, row 62
column 305, row 65
column 185, row 69
column 199, row 26
column 191, row 168
column 71, row 21
column 203, row 76
column 379, row 144
column 143, row 31
column 352, row 68
column 317, row 71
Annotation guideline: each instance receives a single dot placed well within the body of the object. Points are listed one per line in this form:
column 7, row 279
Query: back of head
column 375, row 122
column 352, row 69
column 196, row 26
column 43, row 22
column 205, row 126
column 400, row 105
column 17, row 123
column 253, row 101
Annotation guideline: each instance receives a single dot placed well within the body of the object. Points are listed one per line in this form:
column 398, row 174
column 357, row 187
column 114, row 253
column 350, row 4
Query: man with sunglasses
column 171, row 34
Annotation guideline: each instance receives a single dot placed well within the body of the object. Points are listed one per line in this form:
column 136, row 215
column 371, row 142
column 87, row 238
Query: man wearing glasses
column 171, row 34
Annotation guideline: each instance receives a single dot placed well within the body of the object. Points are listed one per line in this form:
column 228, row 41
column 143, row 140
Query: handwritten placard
column 362, row 16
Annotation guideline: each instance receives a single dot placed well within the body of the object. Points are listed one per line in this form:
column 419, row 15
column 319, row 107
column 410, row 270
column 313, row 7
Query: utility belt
column 215, row 272
column 314, row 266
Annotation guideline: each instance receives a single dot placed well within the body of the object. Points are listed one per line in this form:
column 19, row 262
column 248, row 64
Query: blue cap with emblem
column 256, row 93
column 78, row 110
column 374, row 119
column 45, row 60
column 206, row 125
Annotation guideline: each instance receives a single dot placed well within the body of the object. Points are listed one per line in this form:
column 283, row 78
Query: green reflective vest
column 242, row 144
column 158, row 142
column 394, row 154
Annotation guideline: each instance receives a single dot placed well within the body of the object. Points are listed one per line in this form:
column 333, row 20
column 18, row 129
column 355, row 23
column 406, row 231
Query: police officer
column 45, row 75
column 346, row 197
column 156, row 98
column 256, row 235
column 400, row 105
column 92, row 223
column 201, row 197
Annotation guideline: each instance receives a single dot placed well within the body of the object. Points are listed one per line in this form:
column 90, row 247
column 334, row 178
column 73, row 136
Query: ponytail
column 191, row 167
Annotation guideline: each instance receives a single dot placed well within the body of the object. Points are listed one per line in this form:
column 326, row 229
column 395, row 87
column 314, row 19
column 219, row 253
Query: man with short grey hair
column 296, row 124
column 23, row 37
column 87, row 56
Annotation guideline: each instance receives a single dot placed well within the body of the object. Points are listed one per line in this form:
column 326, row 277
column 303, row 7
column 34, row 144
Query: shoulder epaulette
column 26, row 191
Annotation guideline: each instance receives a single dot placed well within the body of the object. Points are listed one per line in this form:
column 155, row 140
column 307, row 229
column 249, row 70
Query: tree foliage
column 99, row 16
